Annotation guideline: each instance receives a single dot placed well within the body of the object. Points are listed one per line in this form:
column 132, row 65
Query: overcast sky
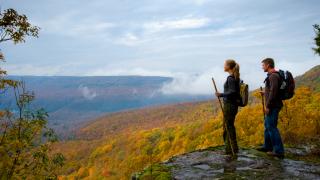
column 185, row 39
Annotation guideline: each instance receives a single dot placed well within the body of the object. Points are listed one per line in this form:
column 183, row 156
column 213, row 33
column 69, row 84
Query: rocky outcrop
column 212, row 163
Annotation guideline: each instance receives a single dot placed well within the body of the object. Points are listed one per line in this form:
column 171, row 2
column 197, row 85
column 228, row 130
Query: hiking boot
column 263, row 149
column 280, row 156
column 231, row 158
column 230, row 152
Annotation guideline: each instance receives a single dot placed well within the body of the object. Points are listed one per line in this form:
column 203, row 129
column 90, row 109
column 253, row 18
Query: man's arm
column 274, row 89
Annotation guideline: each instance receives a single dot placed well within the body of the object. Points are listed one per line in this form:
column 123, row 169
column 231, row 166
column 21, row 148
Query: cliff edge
column 211, row 163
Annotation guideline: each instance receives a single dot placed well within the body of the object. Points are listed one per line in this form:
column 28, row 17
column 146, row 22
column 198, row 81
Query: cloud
column 184, row 39
column 69, row 24
column 30, row 69
column 184, row 23
column 152, row 31
column 182, row 83
column 152, row 34
column 228, row 31
column 128, row 39
column 194, row 84
column 91, row 28
column 87, row 93
column 201, row 83
column 134, row 71
column 43, row 69
column 200, row 2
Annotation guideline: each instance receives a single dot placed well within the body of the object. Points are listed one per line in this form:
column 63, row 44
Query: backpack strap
column 267, row 78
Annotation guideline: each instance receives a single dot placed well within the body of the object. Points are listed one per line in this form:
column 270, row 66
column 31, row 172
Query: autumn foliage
column 183, row 128
column 25, row 138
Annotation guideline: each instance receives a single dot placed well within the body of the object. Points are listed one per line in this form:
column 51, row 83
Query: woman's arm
column 231, row 87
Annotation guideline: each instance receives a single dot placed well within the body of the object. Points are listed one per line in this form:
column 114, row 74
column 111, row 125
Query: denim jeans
column 272, row 138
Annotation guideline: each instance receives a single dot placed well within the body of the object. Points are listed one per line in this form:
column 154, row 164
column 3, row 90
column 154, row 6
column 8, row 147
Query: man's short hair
column 268, row 61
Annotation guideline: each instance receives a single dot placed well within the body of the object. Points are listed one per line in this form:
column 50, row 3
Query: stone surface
column 250, row 164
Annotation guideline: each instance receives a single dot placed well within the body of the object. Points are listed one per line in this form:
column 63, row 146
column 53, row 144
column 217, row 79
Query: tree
column 151, row 148
column 15, row 27
column 317, row 39
column 25, row 139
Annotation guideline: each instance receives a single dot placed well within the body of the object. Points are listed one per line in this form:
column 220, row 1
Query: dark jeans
column 229, row 134
column 272, row 138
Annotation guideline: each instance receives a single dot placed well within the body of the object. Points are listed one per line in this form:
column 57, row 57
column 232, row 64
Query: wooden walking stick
column 262, row 96
column 224, row 123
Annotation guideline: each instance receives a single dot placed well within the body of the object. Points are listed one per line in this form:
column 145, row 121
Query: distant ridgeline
column 310, row 79
column 71, row 100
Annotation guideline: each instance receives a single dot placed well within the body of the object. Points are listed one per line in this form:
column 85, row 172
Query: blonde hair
column 234, row 66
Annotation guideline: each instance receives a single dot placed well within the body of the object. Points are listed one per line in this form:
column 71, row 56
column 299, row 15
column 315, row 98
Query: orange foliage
column 118, row 155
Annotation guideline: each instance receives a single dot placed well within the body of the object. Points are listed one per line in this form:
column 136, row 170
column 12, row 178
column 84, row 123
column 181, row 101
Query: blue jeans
column 272, row 138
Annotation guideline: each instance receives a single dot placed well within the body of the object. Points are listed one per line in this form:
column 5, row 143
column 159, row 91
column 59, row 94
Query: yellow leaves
column 83, row 172
column 7, row 82
column 102, row 150
column 256, row 94
column 107, row 148
column 1, row 57
column 2, row 113
column 92, row 171
column 165, row 145
column 3, row 72
column 300, row 116
column 125, row 152
column 16, row 27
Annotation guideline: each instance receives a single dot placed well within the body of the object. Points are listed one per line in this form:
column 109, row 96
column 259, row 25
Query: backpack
column 244, row 94
column 287, row 85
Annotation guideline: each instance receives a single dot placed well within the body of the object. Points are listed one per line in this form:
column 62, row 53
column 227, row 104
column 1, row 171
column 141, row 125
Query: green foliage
column 148, row 136
column 310, row 79
column 15, row 27
column 25, row 141
column 154, row 172
column 120, row 154
column 316, row 28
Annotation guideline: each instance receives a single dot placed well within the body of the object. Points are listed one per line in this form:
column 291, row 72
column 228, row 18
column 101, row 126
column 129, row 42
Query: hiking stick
column 224, row 123
column 262, row 96
column 215, row 87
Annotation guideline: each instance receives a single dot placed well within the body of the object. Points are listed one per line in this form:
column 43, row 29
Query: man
column 272, row 139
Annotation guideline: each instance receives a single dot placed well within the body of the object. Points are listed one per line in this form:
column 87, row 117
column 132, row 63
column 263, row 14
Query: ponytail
column 234, row 67
column 236, row 71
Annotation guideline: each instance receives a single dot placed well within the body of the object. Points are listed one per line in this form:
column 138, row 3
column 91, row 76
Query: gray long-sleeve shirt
column 231, row 90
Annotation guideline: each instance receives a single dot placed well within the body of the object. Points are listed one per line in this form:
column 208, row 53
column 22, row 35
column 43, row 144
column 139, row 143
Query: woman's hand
column 218, row 94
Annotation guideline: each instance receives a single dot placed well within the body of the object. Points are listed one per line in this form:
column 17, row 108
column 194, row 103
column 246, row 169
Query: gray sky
column 185, row 39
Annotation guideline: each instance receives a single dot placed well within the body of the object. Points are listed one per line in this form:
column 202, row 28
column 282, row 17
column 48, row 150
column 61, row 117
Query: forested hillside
column 72, row 100
column 111, row 89
column 310, row 79
column 117, row 145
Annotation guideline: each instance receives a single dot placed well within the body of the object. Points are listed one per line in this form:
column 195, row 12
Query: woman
column 230, row 96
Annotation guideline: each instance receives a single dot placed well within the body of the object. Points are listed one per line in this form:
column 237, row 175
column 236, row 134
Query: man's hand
column 267, row 110
column 218, row 94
